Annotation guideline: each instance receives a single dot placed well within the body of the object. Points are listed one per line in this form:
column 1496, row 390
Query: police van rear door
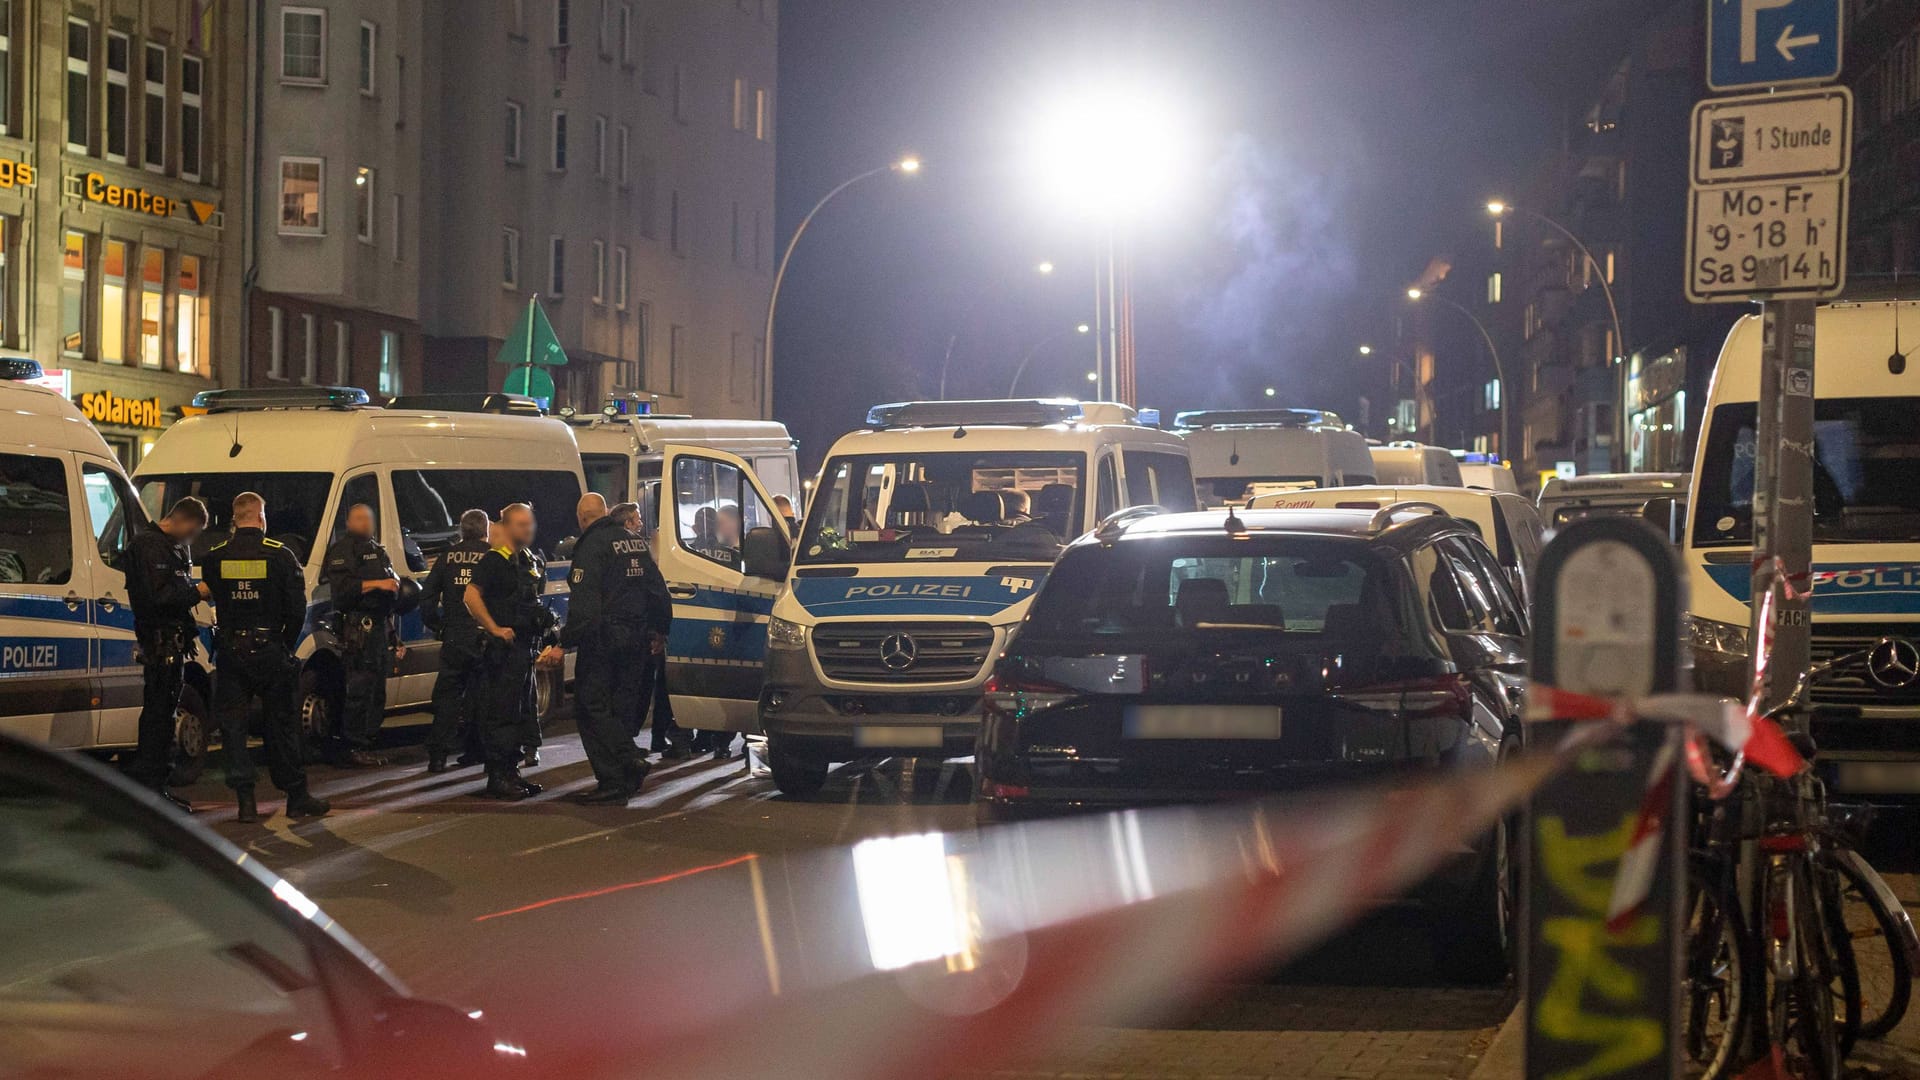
column 112, row 513
column 46, row 685
column 708, row 500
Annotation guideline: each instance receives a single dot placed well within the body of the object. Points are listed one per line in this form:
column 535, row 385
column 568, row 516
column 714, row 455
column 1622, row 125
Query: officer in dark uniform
column 260, row 603
column 504, row 599
column 607, row 621
column 668, row 738
column 443, row 608
column 365, row 588
column 162, row 593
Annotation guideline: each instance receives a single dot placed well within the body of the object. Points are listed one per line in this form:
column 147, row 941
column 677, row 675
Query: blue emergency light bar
column 1476, row 457
column 20, row 369
column 287, row 397
column 1030, row 412
column 630, row 405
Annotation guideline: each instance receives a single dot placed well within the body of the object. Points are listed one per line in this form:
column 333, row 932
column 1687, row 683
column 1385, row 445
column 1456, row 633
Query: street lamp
column 1499, row 208
column 1271, row 391
column 1077, row 328
column 1499, row 370
column 1045, row 266
column 906, row 166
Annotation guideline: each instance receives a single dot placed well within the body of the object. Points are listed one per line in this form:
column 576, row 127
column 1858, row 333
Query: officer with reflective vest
column 607, row 620
column 504, row 599
column 443, row 607
column 161, row 591
column 260, row 604
column 365, row 589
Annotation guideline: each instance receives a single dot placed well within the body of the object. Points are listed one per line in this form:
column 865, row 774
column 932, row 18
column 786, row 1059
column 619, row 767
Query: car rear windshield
column 295, row 501
column 1316, row 587
column 1866, row 473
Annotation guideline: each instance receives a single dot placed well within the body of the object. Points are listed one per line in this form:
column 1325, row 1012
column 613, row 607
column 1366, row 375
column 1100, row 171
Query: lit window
column 192, row 113
column 1493, row 288
column 389, row 363
column 113, row 302
column 301, row 189
column 154, row 127
column 191, row 317
column 363, row 204
column 119, row 109
column 303, row 45
column 153, row 300
column 760, row 117
column 369, row 56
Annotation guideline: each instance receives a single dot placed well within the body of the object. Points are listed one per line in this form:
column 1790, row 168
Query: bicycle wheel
column 1881, row 939
column 1808, row 1016
column 1723, row 975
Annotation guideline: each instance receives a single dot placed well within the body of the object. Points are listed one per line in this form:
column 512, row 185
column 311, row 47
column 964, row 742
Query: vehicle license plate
column 1877, row 777
column 896, row 735
column 1203, row 722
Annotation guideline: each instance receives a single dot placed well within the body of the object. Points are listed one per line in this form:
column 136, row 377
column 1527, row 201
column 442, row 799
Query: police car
column 313, row 452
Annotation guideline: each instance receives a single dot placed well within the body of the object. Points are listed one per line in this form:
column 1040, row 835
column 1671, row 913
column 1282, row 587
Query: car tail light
column 1019, row 696
column 1443, row 695
column 994, row 789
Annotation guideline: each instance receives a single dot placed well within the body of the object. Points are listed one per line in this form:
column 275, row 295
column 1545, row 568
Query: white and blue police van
column 1239, row 454
column 68, row 677
column 312, row 452
column 621, row 448
column 924, row 541
column 1866, row 539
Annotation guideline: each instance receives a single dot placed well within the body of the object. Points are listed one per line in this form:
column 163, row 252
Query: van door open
column 112, row 513
column 708, row 501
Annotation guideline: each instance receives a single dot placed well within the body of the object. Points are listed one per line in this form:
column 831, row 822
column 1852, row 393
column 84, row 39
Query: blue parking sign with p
column 1756, row 43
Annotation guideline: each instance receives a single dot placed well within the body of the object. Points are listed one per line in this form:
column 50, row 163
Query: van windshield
column 430, row 502
column 951, row 507
column 295, row 501
column 1866, row 474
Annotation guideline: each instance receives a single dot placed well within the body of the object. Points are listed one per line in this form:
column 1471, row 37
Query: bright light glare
column 1271, row 391
column 1045, row 267
column 908, row 165
column 1093, row 376
column 1082, row 328
column 295, row 899
column 907, row 900
column 1366, row 350
column 1414, row 294
column 1496, row 208
column 1108, row 150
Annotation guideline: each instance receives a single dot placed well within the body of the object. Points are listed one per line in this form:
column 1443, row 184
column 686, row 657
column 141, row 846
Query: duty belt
column 259, row 634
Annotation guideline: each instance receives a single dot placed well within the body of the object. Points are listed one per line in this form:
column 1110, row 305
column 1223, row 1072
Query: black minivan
column 1192, row 657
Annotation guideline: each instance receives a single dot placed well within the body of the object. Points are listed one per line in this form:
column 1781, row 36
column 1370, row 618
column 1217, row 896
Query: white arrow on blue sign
column 1755, row 43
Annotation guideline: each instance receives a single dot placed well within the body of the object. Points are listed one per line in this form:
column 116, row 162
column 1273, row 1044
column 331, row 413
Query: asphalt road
column 550, row 915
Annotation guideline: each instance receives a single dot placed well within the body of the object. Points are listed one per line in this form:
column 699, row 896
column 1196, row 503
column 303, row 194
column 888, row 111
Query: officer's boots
column 249, row 812
column 303, row 803
column 503, row 782
column 436, row 761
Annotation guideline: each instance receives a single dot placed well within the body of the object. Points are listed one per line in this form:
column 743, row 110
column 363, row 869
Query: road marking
column 591, row 893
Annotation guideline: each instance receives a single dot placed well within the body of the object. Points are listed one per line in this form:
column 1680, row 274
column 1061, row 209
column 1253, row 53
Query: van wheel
column 192, row 727
column 317, row 712
column 797, row 774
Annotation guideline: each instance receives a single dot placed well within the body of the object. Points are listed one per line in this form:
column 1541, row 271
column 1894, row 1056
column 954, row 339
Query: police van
column 1242, row 453
column 925, row 538
column 1566, row 499
column 1866, row 539
column 1415, row 463
column 67, row 672
column 314, row 451
column 621, row 448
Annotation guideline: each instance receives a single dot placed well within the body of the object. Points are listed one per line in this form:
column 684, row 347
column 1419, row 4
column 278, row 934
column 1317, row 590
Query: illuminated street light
column 1366, row 350
column 1271, row 391
column 1093, row 376
column 1045, row 266
column 1415, row 294
column 906, row 166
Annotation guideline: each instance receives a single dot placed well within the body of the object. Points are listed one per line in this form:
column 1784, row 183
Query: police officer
column 668, row 739
column 504, row 599
column 163, row 594
column 607, row 621
column 260, row 602
column 444, row 609
column 365, row 589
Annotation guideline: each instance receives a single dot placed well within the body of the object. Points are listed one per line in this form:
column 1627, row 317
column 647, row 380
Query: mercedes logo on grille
column 898, row 651
column 1894, row 663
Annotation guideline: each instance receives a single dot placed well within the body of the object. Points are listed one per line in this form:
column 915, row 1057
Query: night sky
column 1335, row 147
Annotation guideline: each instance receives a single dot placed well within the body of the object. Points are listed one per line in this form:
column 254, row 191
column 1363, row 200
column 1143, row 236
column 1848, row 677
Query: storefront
column 1657, row 411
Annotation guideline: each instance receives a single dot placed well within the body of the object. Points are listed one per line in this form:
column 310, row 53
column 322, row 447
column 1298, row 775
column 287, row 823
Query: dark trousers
column 367, row 657
column 159, row 703
column 606, row 686
column 502, row 705
column 262, row 671
column 653, row 688
column 454, row 689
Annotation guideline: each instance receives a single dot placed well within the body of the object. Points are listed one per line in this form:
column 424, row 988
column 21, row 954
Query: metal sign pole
column 1794, row 496
column 1604, row 1001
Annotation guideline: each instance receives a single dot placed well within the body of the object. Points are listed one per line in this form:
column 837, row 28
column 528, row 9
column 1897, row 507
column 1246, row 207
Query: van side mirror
column 764, row 553
column 1664, row 512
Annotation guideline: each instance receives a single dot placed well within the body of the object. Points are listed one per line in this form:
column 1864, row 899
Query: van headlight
column 782, row 634
column 1710, row 635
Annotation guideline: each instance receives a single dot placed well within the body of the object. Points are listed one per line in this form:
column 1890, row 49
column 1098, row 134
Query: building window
column 760, row 116
column 303, row 45
column 6, row 67
column 192, row 72
column 1490, row 395
column 606, row 29
column 154, row 127
column 739, row 103
column 676, row 357
column 369, row 56
column 676, row 236
column 302, row 187
column 1499, row 234
column 119, row 103
column 310, row 343
column 599, row 271
column 191, row 317
column 9, row 303
column 153, row 304
column 600, row 146
column 623, row 139
column 276, row 343
column 1493, row 288
column 113, row 302
column 79, row 84
column 1609, row 261
column 389, row 363
column 559, row 137
column 363, row 204
column 620, row 278
column 626, row 34
column 562, row 22
column 342, row 354
column 516, row 18
column 510, row 258
column 513, row 132
column 556, row 267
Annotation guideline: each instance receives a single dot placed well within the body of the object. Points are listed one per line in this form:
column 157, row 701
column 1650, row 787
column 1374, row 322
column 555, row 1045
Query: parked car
column 1200, row 656
column 137, row 943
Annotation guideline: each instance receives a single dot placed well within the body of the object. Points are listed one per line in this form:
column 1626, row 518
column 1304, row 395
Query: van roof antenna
column 234, row 450
column 1897, row 363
